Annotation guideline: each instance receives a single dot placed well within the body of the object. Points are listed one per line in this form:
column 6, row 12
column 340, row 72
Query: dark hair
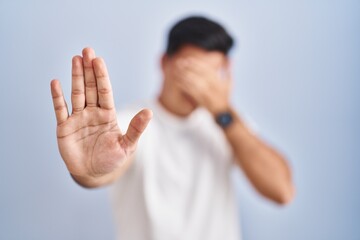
column 200, row 32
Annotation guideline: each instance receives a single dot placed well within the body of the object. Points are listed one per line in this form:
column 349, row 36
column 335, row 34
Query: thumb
column 137, row 126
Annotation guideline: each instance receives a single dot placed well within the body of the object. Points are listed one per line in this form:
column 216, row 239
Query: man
column 176, row 183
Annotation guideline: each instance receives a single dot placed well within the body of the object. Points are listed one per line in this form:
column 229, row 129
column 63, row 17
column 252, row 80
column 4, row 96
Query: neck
column 171, row 105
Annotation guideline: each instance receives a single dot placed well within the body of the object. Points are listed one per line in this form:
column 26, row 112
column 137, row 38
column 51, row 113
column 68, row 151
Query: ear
column 227, row 69
column 227, row 63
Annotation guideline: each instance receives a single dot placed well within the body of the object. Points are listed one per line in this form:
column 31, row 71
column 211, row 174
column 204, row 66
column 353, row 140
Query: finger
column 184, row 67
column 194, row 86
column 60, row 107
column 106, row 99
column 137, row 126
column 227, row 75
column 190, row 94
column 227, row 79
column 90, row 81
column 189, row 88
column 195, row 81
column 78, row 85
column 214, row 77
column 185, row 88
column 196, row 65
column 202, row 68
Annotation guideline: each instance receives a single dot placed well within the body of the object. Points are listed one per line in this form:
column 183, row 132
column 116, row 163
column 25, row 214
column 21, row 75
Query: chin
column 187, row 105
column 186, row 111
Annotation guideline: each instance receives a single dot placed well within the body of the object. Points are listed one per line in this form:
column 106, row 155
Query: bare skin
column 196, row 77
column 90, row 141
column 97, row 153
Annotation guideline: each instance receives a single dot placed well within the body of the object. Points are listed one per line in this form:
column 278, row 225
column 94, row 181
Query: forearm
column 266, row 169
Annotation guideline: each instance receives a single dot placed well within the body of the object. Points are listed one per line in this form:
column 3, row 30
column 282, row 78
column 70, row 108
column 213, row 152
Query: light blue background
column 296, row 70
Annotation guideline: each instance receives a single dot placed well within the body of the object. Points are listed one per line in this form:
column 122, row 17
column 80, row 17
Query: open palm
column 90, row 141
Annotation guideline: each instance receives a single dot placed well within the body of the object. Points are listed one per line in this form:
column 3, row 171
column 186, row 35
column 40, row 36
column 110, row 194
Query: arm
column 266, row 169
column 90, row 142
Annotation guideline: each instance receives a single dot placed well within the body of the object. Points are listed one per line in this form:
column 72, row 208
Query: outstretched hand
column 90, row 141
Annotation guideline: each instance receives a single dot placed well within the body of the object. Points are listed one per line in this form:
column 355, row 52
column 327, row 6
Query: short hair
column 200, row 32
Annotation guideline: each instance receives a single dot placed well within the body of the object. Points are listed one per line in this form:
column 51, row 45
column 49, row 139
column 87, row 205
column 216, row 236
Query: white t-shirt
column 179, row 186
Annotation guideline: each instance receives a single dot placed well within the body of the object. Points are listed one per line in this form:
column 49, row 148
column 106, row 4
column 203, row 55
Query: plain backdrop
column 296, row 72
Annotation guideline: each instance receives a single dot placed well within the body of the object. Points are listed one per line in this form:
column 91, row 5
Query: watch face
column 224, row 119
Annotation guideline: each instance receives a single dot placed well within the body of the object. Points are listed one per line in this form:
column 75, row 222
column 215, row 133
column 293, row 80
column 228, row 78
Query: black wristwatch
column 224, row 119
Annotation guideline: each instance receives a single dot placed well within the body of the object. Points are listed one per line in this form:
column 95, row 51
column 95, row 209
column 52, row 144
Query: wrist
column 224, row 117
column 219, row 108
column 87, row 181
